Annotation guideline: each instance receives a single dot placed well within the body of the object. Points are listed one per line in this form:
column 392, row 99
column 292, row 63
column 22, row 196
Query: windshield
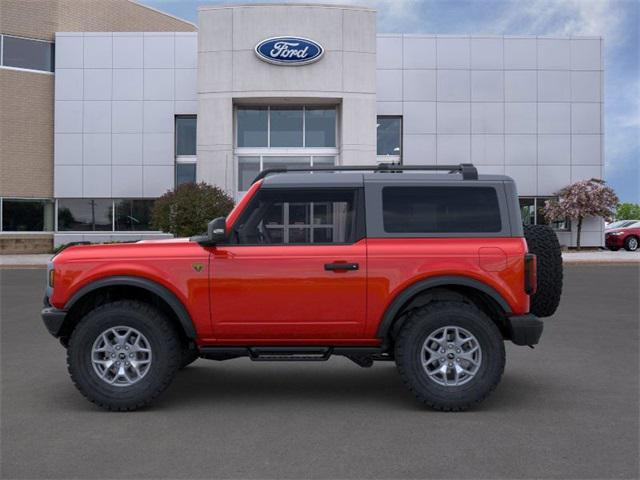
column 622, row 224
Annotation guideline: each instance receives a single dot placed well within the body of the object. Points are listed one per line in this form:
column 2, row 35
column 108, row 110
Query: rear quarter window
column 444, row 209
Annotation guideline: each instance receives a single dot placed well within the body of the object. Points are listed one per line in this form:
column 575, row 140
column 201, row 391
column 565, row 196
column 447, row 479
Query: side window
column 298, row 217
column 432, row 209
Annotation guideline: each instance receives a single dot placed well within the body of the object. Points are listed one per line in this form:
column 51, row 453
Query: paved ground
column 587, row 256
column 568, row 409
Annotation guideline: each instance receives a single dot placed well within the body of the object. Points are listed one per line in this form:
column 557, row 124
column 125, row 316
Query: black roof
column 355, row 176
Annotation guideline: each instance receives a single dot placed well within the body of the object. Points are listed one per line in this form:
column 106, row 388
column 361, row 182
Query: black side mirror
column 217, row 230
column 216, row 233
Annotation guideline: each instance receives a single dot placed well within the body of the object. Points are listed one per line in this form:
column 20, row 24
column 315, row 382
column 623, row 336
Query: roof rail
column 468, row 170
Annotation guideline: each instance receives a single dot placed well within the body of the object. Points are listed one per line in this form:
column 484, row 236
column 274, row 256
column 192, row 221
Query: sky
column 617, row 21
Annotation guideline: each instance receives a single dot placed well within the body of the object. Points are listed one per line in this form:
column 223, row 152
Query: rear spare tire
column 543, row 242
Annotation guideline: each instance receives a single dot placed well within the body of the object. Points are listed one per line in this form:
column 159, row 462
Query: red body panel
column 271, row 294
column 395, row 264
column 167, row 262
column 617, row 241
column 275, row 295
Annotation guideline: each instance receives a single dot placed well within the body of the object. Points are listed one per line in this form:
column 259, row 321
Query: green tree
column 628, row 211
column 186, row 210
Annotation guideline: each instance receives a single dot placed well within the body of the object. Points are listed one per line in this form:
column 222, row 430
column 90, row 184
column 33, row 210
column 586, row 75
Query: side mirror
column 217, row 230
column 216, row 233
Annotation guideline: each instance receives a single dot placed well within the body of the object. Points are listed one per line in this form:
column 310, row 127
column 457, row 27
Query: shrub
column 186, row 210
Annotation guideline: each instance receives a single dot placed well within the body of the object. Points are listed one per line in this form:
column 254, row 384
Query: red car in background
column 627, row 237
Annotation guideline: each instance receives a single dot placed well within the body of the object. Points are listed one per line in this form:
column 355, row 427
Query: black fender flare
column 125, row 280
column 422, row 285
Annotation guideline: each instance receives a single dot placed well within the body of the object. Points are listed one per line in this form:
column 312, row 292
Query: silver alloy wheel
column 451, row 356
column 121, row 356
column 633, row 243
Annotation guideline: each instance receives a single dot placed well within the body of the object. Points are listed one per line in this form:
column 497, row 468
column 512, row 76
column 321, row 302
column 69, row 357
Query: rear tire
column 543, row 242
column 631, row 243
column 113, row 332
column 438, row 324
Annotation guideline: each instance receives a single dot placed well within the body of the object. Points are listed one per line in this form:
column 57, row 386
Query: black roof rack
column 468, row 170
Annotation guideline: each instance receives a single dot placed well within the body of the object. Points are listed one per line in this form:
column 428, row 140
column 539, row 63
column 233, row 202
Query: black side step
column 292, row 354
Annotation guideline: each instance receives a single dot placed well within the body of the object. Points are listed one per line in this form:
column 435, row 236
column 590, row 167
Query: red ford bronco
column 380, row 263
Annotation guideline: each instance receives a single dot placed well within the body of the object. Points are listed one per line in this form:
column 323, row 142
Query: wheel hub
column 121, row 356
column 451, row 356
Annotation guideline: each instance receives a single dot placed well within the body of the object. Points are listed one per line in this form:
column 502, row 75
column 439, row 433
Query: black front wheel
column 631, row 244
column 123, row 355
column 450, row 355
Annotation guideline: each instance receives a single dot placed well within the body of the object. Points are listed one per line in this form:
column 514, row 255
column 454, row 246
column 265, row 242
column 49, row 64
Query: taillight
column 530, row 273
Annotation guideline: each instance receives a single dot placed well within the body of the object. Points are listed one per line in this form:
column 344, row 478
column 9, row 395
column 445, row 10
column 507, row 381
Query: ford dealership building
column 137, row 112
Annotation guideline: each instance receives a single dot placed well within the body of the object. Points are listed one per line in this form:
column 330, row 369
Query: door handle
column 341, row 266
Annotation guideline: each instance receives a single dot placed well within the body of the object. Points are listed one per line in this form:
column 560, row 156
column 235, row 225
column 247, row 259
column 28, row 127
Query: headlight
column 616, row 233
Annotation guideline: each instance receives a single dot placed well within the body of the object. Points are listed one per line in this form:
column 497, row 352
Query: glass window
column 248, row 169
column 253, row 127
column 186, row 135
column 320, row 127
column 389, row 133
column 279, row 162
column 133, row 215
column 440, row 209
column 185, row 173
column 324, row 161
column 22, row 215
column 286, row 127
column 26, row 53
column 298, row 217
column 541, row 219
column 84, row 214
column 528, row 211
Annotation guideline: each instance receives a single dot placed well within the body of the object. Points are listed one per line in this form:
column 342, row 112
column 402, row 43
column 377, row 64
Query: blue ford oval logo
column 289, row 50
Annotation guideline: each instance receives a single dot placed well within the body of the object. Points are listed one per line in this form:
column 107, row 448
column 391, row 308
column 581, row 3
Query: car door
column 294, row 268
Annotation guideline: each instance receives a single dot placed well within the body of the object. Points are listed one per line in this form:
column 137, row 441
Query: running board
column 363, row 356
column 288, row 354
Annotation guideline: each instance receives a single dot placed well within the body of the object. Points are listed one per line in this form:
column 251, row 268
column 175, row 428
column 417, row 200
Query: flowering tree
column 586, row 198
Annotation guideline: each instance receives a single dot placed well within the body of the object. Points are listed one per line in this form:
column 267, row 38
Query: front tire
column 123, row 355
column 631, row 244
column 450, row 355
column 189, row 355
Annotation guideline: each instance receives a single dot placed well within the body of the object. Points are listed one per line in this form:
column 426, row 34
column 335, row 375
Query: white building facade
column 128, row 105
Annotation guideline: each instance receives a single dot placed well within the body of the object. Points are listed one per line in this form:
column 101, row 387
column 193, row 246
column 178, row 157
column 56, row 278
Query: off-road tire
column 188, row 356
column 543, row 242
column 149, row 321
column 423, row 321
column 628, row 244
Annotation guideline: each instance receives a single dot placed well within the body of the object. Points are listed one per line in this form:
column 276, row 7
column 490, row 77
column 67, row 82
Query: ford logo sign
column 289, row 51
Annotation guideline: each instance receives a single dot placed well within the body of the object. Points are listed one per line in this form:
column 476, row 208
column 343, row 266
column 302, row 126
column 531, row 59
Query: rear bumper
column 525, row 329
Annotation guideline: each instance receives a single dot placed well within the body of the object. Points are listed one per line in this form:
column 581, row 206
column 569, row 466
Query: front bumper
column 525, row 329
column 614, row 241
column 53, row 318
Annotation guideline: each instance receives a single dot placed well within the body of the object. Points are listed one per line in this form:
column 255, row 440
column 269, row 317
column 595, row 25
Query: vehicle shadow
column 260, row 385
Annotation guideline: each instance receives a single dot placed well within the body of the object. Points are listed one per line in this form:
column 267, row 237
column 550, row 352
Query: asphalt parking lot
column 568, row 409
